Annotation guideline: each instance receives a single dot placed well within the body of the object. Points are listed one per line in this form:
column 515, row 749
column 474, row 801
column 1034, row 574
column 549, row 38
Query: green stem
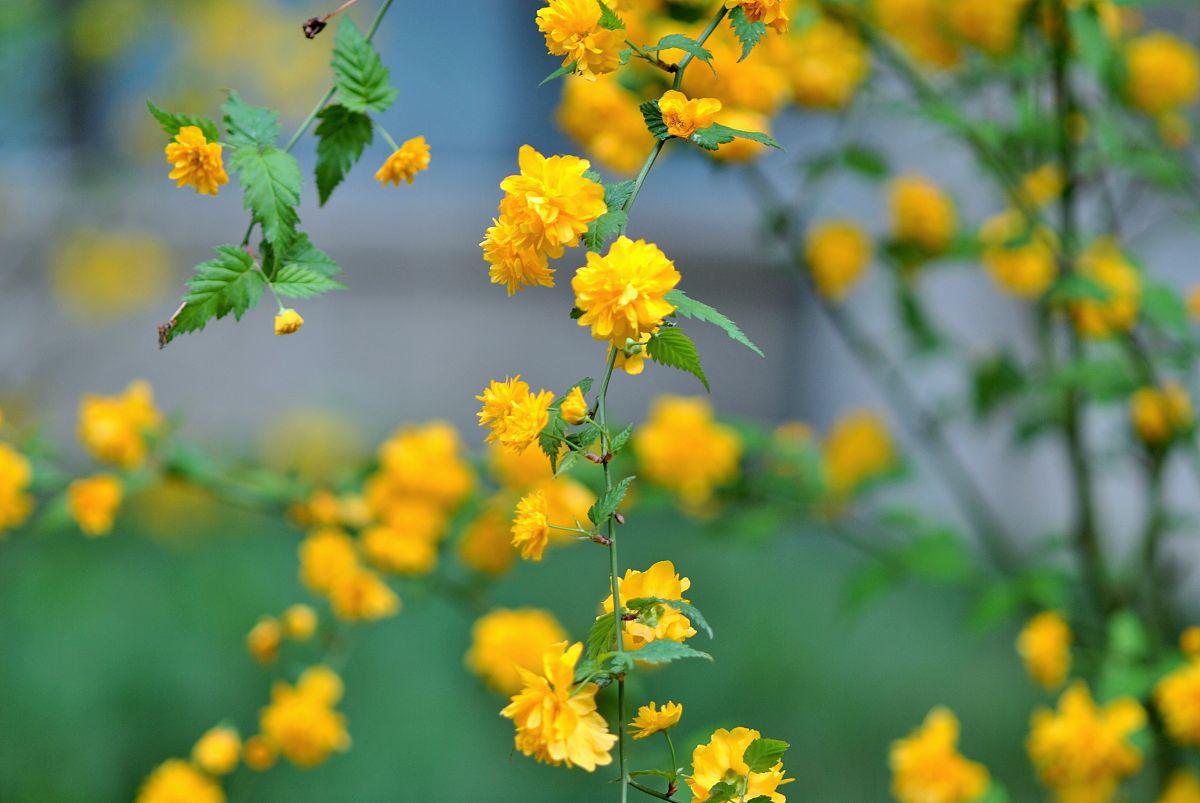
column 671, row 748
column 645, row 790
column 386, row 136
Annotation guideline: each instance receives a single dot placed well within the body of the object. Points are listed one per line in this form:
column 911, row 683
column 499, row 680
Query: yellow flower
column 567, row 503
column 426, row 462
column 682, row 448
column 486, row 544
column 361, row 595
column 1023, row 268
column 300, row 721
column 651, row 719
column 741, row 149
column 1041, row 186
column 603, row 118
column 515, row 416
column 299, row 622
column 829, row 64
column 1104, row 264
column 837, row 253
column 922, row 215
column 530, row 529
column 1189, row 641
column 504, row 641
column 551, row 201
column 920, row 28
column 176, row 780
column 1045, row 646
column 195, row 161
column 515, row 263
column 683, row 117
column 288, row 321
column 16, row 474
column 927, row 767
column 557, row 722
column 858, row 448
column 218, row 750
column 990, row 25
column 769, row 12
column 574, row 407
column 94, row 502
column 325, row 554
column 1159, row 414
column 405, row 162
column 623, row 293
column 572, row 30
column 1082, row 751
column 264, row 639
column 1163, row 73
column 723, row 759
column 661, row 622
column 1183, row 787
column 114, row 428
column 101, row 276
column 758, row 84
column 1178, row 699
column 319, row 445
column 259, row 754
column 406, row 543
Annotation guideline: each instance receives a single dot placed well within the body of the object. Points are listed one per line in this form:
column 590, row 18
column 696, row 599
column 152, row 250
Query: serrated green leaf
column 995, row 380
column 687, row 307
column 748, row 33
column 229, row 283
column 302, row 253
column 763, row 754
column 270, row 180
column 671, row 347
column 358, row 72
column 723, row 792
column 664, row 651
column 566, row 69
column 604, row 229
column 604, row 507
column 294, row 281
column 342, row 134
column 171, row 123
column 620, row 440
column 1164, row 307
column 602, row 636
column 608, row 18
column 678, row 41
column 247, row 125
column 716, row 135
column 617, row 194
column 652, row 114
column 690, row 611
column 551, row 438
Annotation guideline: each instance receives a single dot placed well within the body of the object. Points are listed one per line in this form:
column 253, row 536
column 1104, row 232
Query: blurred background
column 116, row 654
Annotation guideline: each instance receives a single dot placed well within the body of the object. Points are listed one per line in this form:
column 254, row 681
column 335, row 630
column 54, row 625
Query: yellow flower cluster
column 927, row 767
column 504, row 641
column 404, row 163
column 556, row 720
column 1163, row 73
column 546, row 208
column 685, row 450
column 858, row 448
column 196, row 162
column 16, row 475
column 176, row 780
column 826, row 63
column 298, row 622
column 1044, row 645
column 769, row 12
column 330, row 565
column 722, row 758
column 664, row 622
column 116, row 429
column 837, row 253
column 1020, row 261
column 623, row 293
column 93, row 502
column 922, row 214
column 1083, row 751
column 1103, row 263
column 572, row 29
column 1159, row 414
column 1177, row 697
column 301, row 723
column 514, row 415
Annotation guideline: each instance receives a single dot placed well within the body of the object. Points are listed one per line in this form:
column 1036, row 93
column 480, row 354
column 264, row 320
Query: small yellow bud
column 287, row 322
column 300, row 622
column 263, row 640
column 574, row 407
column 258, row 754
column 1189, row 641
column 217, row 750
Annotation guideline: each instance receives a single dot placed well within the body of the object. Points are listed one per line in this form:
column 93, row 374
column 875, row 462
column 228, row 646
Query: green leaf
column 566, row 69
column 1127, row 636
column 652, row 114
column 294, row 281
column 866, row 161
column 671, row 347
column 763, row 754
column 551, row 439
column 602, row 636
column 996, row 793
column 687, row 307
column 748, row 33
column 608, row 18
column 938, row 556
column 1076, row 287
column 171, row 123
column 617, row 194
column 247, row 125
column 302, row 253
column 1163, row 307
column 761, row 799
column 609, row 501
column 995, row 380
column 620, row 439
column 358, row 72
column 866, row 585
column 270, row 180
column 664, row 651
column 716, row 135
column 341, row 136
column 604, row 229
column 678, row 41
column 723, row 791
column 690, row 611
column 229, row 283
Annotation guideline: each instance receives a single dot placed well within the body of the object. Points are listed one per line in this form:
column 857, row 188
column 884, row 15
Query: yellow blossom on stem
column 769, row 12
column 515, row 416
column 837, row 253
column 927, row 767
column 1044, row 645
column 722, row 758
column 1103, row 264
column 93, row 502
column 218, row 750
column 405, row 162
column 1159, row 414
column 300, row 721
column 1025, row 266
column 684, row 117
column 922, row 214
column 426, row 462
column 259, row 754
column 195, row 161
column 114, row 429
column 551, row 201
column 361, row 595
column 299, row 622
column 683, row 448
column 530, row 528
column 176, row 780
column 288, row 322
column 664, row 622
column 623, row 293
column 326, row 554
column 1043, row 185
column 1177, row 697
column 572, row 29
column 504, row 641
column 574, row 407
column 515, row 262
column 556, row 721
column 1189, row 641
column 651, row 719
column 400, row 550
column 1163, row 73
column 16, row 474
column 264, row 639
column 1183, row 787
column 858, row 448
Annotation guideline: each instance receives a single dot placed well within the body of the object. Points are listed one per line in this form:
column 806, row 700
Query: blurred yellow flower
column 504, row 641
column 990, row 25
column 1177, row 697
column 1021, row 262
column 325, row 554
column 572, row 30
column 93, row 502
column 769, row 12
column 837, row 253
column 623, row 293
column 264, row 639
column 828, row 64
column 858, row 448
column 556, row 721
column 759, row 83
column 320, row 446
column 259, row 754
column 486, row 543
column 218, row 750
column 567, row 503
column 1043, row 185
column 407, row 543
column 1183, row 787
column 722, row 758
column 1044, row 645
column 603, row 118
column 927, row 767
column 684, row 116
column 651, row 719
column 299, row 622
column 288, row 322
column 16, row 474
column 424, row 461
column 1189, row 641
column 530, row 529
column 101, row 276
column 410, row 158
column 514, row 415
column 114, row 429
column 1103, row 263
column 300, row 721
column 685, row 450
column 175, row 780
column 920, row 28
column 922, row 214
column 1159, row 414
column 361, row 595
column 519, row 471
column 1163, row 72
column 741, row 149
column 667, row 623
column 196, row 162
